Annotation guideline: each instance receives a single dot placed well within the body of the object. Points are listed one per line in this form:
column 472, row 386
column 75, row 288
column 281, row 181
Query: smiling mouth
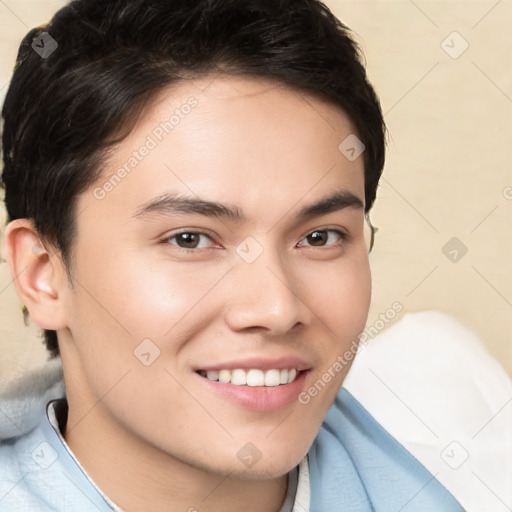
column 253, row 377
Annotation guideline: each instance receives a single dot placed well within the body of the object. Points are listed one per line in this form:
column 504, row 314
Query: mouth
column 257, row 389
column 254, row 377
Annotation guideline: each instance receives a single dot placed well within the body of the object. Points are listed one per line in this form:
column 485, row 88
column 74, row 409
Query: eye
column 323, row 237
column 189, row 240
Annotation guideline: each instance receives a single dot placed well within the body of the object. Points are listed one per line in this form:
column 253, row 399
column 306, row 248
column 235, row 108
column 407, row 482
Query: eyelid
column 339, row 229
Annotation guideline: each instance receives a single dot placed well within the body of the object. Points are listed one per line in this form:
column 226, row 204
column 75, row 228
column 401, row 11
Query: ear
column 38, row 275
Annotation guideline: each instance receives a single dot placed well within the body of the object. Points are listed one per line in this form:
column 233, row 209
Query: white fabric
column 303, row 494
column 430, row 383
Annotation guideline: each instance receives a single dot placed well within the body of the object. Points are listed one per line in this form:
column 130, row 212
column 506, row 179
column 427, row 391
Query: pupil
column 317, row 238
column 188, row 240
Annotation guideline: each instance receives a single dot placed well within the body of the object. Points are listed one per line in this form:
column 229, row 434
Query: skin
column 155, row 437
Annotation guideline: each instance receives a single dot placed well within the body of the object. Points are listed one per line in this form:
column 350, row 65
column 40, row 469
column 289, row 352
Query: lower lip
column 259, row 398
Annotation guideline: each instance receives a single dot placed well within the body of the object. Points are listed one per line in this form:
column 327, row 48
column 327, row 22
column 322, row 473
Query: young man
column 187, row 185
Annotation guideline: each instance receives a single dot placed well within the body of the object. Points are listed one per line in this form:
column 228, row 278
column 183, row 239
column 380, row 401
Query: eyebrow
column 170, row 203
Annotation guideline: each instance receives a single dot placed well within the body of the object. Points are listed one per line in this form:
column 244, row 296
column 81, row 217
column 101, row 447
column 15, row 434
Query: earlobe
column 36, row 273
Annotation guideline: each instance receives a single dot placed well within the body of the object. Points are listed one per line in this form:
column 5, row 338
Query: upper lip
column 261, row 363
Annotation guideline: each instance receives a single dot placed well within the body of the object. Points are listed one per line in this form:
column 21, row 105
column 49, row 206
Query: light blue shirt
column 354, row 465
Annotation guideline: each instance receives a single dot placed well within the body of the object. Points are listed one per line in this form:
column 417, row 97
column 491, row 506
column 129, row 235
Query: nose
column 266, row 296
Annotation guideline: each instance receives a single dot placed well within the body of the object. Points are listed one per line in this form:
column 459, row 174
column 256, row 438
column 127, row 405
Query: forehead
column 227, row 138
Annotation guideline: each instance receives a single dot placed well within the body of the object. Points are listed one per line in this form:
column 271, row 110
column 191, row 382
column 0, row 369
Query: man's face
column 169, row 296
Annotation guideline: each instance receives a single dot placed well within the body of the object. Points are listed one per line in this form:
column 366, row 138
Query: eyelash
column 342, row 235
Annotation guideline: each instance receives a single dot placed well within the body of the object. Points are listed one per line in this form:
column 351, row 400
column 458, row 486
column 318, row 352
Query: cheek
column 355, row 297
column 141, row 301
column 341, row 301
column 341, row 297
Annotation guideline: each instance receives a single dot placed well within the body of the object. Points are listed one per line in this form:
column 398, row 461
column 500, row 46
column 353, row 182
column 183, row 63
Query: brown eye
column 317, row 238
column 323, row 237
column 189, row 240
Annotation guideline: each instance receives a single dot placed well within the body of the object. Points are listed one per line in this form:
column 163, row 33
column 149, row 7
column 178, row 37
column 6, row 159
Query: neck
column 139, row 476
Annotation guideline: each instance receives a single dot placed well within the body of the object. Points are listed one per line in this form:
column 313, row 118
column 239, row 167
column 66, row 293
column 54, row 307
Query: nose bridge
column 265, row 291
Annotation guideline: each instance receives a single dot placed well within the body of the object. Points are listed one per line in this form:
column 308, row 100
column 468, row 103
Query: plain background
column 442, row 71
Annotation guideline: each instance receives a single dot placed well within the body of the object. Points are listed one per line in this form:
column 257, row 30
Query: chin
column 249, row 463
column 263, row 471
column 276, row 464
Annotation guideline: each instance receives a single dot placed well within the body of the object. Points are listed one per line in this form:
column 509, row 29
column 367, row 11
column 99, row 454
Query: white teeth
column 239, row 378
column 225, row 376
column 253, row 377
column 273, row 378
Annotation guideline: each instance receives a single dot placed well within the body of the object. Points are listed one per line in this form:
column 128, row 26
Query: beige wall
column 449, row 165
column 448, row 171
